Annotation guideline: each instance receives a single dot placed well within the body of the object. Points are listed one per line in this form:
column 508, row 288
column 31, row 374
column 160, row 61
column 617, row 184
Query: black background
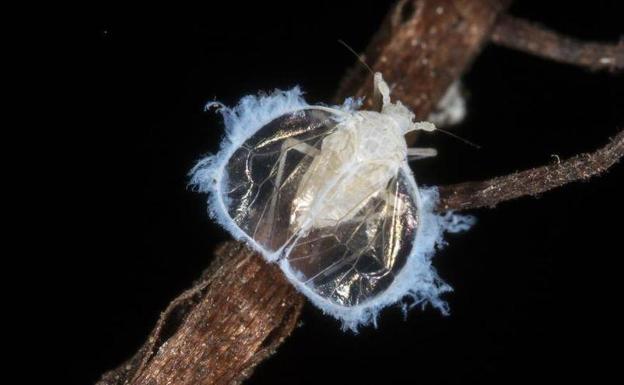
column 537, row 283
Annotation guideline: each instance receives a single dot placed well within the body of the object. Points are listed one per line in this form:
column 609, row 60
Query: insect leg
column 292, row 144
column 288, row 145
column 420, row 153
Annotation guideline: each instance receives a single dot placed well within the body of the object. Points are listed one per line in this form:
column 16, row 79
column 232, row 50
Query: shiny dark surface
column 348, row 262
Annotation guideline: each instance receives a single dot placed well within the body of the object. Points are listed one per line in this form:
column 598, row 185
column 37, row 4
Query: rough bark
column 216, row 332
column 242, row 308
column 489, row 193
column 421, row 48
column 529, row 37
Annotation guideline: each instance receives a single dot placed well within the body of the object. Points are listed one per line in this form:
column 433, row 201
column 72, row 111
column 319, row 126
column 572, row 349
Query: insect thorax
column 355, row 164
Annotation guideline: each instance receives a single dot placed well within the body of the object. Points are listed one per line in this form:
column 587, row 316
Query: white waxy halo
column 327, row 194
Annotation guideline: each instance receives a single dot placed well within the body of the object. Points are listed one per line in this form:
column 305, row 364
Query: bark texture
column 233, row 318
column 489, row 193
column 242, row 308
column 421, row 48
column 216, row 332
column 529, row 37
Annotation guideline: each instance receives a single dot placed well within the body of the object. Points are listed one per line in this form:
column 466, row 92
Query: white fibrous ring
column 327, row 193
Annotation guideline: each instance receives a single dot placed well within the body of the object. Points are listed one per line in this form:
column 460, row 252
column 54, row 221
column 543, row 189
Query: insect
column 327, row 193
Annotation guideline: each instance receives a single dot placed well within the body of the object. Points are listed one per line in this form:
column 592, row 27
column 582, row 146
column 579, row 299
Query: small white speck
column 606, row 60
column 440, row 10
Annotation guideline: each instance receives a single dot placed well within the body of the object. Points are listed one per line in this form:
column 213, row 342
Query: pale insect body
column 327, row 193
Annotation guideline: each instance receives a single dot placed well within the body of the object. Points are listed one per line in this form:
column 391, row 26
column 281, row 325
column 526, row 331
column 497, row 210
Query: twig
column 217, row 331
column 489, row 193
column 525, row 36
column 217, row 334
column 193, row 340
column 243, row 308
column 422, row 47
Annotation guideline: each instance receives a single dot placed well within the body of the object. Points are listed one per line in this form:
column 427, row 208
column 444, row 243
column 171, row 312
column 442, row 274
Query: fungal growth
column 327, row 193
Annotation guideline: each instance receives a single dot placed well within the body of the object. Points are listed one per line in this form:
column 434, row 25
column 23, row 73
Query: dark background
column 537, row 283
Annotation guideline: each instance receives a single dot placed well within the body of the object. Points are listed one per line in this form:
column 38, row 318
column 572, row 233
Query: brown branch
column 422, row 47
column 216, row 332
column 242, row 308
column 525, row 36
column 489, row 193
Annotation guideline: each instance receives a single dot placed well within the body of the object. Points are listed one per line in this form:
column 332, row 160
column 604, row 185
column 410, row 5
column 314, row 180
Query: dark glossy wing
column 359, row 258
column 261, row 178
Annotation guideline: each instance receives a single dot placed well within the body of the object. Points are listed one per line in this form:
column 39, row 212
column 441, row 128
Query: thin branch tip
column 242, row 308
column 525, row 36
column 489, row 193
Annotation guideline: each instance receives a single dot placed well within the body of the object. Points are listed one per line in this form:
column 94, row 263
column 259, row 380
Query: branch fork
column 242, row 308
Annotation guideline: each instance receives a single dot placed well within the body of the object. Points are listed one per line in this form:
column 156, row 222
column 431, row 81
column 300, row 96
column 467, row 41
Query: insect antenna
column 459, row 138
column 377, row 100
column 359, row 58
